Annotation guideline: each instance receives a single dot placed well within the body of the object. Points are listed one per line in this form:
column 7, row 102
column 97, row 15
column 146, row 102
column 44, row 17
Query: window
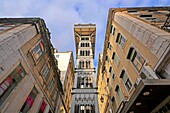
column 78, row 82
column 109, row 46
column 132, row 11
column 119, row 93
column 121, row 40
column 113, row 74
column 88, row 44
column 102, row 76
column 45, row 70
column 84, row 53
column 136, row 59
column 38, row 51
column 107, row 80
column 29, row 101
column 88, row 82
column 54, row 96
column 9, row 84
column 112, row 30
column 82, row 82
column 126, row 80
column 84, row 38
column 84, row 45
column 82, row 64
column 42, row 107
column 88, row 53
column 116, row 59
column 50, row 86
column 110, row 69
column 82, row 109
column 106, row 58
column 5, row 26
column 81, row 53
column 57, row 56
column 87, row 64
column 145, row 15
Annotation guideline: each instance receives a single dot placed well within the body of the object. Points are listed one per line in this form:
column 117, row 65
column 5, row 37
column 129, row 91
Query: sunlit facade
column 66, row 67
column 136, row 60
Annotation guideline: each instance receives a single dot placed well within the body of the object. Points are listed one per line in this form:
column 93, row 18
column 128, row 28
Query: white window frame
column 116, row 62
column 125, row 81
column 39, row 50
column 45, row 70
column 121, row 40
column 136, row 59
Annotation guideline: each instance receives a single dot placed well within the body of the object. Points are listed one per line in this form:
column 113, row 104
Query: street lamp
column 107, row 103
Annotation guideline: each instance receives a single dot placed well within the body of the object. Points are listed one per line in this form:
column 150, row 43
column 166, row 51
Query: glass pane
column 133, row 55
column 38, row 50
column 123, row 41
column 140, row 58
column 125, row 77
column 29, row 101
column 120, row 95
column 116, row 59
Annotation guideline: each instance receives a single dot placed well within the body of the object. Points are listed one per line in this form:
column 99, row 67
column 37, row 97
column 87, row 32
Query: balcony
column 149, row 97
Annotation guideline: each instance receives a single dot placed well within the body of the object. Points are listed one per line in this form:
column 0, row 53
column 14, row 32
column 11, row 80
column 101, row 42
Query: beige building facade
column 29, row 75
column 136, row 61
column 66, row 66
column 103, row 96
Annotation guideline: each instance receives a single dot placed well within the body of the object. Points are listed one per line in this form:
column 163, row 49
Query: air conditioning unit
column 148, row 73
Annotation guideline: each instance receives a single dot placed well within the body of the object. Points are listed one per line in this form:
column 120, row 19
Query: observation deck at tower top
column 85, row 30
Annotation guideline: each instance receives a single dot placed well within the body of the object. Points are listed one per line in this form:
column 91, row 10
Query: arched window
column 81, row 45
column 86, row 45
column 88, row 53
column 80, row 53
column 82, row 64
column 83, row 53
column 89, row 64
column 78, row 82
column 86, row 64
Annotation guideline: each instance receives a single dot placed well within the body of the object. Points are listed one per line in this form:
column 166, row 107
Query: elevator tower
column 84, row 95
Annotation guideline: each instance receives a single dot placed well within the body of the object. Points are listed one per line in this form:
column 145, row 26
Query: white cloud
column 61, row 15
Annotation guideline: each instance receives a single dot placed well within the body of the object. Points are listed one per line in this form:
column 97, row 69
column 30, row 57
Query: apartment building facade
column 29, row 75
column 66, row 67
column 84, row 94
column 103, row 96
column 136, row 60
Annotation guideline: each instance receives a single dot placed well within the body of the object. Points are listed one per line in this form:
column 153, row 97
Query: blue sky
column 61, row 15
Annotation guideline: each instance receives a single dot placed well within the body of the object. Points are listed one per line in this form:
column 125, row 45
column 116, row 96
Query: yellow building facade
column 136, row 60
column 66, row 66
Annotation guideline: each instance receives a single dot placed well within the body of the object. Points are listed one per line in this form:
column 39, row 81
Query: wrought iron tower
column 84, row 95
